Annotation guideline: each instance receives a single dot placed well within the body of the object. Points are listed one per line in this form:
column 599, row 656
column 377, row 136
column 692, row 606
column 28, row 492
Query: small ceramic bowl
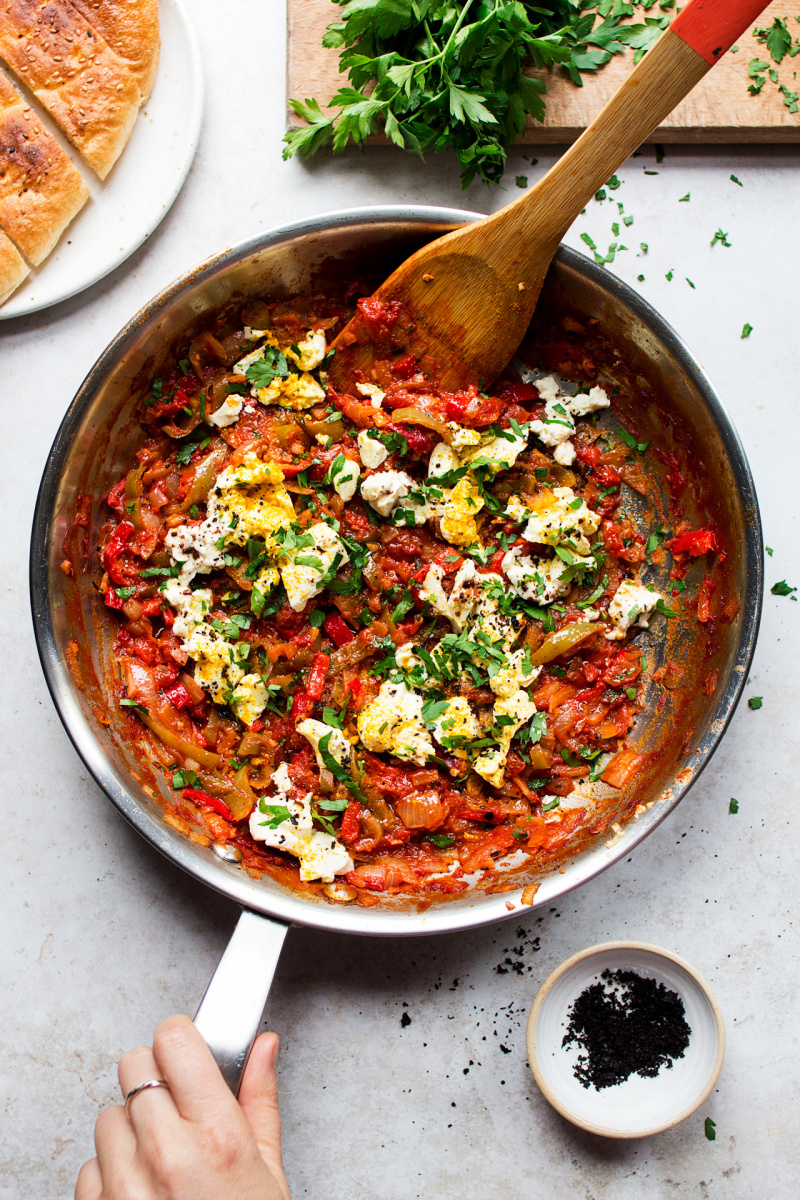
column 640, row 1106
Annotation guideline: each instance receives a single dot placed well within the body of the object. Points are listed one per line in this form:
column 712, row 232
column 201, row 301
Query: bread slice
column 131, row 29
column 40, row 189
column 13, row 268
column 71, row 70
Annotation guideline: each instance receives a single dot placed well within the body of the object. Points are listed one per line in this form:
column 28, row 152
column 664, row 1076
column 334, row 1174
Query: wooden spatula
column 468, row 297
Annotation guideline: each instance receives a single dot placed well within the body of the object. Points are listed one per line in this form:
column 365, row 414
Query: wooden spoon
column 467, row 298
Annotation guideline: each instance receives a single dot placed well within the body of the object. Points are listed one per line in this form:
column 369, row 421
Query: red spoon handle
column 712, row 26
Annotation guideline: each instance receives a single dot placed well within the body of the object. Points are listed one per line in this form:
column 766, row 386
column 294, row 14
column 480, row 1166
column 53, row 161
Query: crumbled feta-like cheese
column 559, row 416
column 516, row 510
column 461, row 437
column 373, row 393
column 321, row 855
column 456, row 725
column 630, row 605
column 310, row 352
column 304, row 573
column 513, row 675
column 392, row 724
column 300, row 391
column 227, row 413
column 510, row 714
column 540, row 579
column 338, row 746
column 384, row 490
column 372, row 451
column 249, row 698
column 588, row 402
column 497, row 453
column 405, row 657
column 345, row 479
column 443, row 459
column 559, row 516
column 216, row 669
column 323, row 439
column 192, row 607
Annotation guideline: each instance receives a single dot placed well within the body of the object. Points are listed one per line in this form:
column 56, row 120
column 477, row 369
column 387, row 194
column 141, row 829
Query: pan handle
column 230, row 1011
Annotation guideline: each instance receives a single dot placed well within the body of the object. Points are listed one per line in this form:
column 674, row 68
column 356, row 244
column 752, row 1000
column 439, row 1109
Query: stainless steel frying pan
column 74, row 638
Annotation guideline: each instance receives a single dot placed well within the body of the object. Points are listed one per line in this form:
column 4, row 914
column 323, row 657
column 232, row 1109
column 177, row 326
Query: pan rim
column 233, row 883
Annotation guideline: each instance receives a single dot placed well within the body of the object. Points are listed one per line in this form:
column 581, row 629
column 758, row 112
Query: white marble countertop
column 101, row 938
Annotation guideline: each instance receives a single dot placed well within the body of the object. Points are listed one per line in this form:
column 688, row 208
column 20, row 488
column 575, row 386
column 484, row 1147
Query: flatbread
column 13, row 268
column 71, row 70
column 131, row 29
column 40, row 189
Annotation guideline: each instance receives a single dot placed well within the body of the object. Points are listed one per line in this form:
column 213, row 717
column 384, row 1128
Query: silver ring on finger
column 142, row 1087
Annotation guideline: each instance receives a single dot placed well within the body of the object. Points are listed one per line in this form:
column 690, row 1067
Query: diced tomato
column 116, row 543
column 418, row 440
column 379, row 315
column 218, row 806
column 114, row 499
column 152, row 607
column 696, row 542
column 178, row 696
column 405, row 365
column 257, row 726
column 316, row 677
column 470, row 408
column 168, row 408
column 481, row 854
column 355, row 687
column 550, row 835
column 338, row 630
column 592, row 457
column 112, row 599
column 397, row 836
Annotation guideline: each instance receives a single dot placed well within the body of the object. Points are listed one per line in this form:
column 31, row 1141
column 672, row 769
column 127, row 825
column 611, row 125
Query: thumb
column 258, row 1098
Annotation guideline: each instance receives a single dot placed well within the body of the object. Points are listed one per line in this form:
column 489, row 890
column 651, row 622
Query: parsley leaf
column 782, row 588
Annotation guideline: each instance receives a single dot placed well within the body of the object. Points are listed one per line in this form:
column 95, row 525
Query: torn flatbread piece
column 40, row 189
column 13, row 268
column 72, row 71
column 131, row 29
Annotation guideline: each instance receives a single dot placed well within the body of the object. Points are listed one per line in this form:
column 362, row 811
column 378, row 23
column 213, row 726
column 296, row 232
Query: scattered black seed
column 405, row 1020
column 626, row 1024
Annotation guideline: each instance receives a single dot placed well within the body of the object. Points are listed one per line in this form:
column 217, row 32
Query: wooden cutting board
column 718, row 110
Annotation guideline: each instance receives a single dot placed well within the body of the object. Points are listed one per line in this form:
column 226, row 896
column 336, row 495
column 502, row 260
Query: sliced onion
column 415, row 416
column 205, row 473
column 193, row 687
column 421, row 810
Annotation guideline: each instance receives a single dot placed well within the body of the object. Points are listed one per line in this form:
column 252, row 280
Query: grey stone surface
column 101, row 938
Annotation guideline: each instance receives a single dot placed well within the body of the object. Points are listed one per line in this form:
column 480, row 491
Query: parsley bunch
column 434, row 74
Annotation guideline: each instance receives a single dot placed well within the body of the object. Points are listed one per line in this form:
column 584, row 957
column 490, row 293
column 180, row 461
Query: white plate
column 127, row 206
column 639, row 1106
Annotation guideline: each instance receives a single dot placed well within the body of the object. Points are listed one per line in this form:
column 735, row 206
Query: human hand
column 193, row 1141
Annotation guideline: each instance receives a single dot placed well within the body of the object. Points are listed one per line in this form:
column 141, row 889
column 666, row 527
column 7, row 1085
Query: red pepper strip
column 112, row 599
column 211, row 801
column 350, row 829
column 178, row 696
column 337, row 630
column 696, row 542
column 301, row 703
column 355, row 687
column 114, row 499
column 292, row 470
column 257, row 726
column 316, row 677
column 121, row 535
